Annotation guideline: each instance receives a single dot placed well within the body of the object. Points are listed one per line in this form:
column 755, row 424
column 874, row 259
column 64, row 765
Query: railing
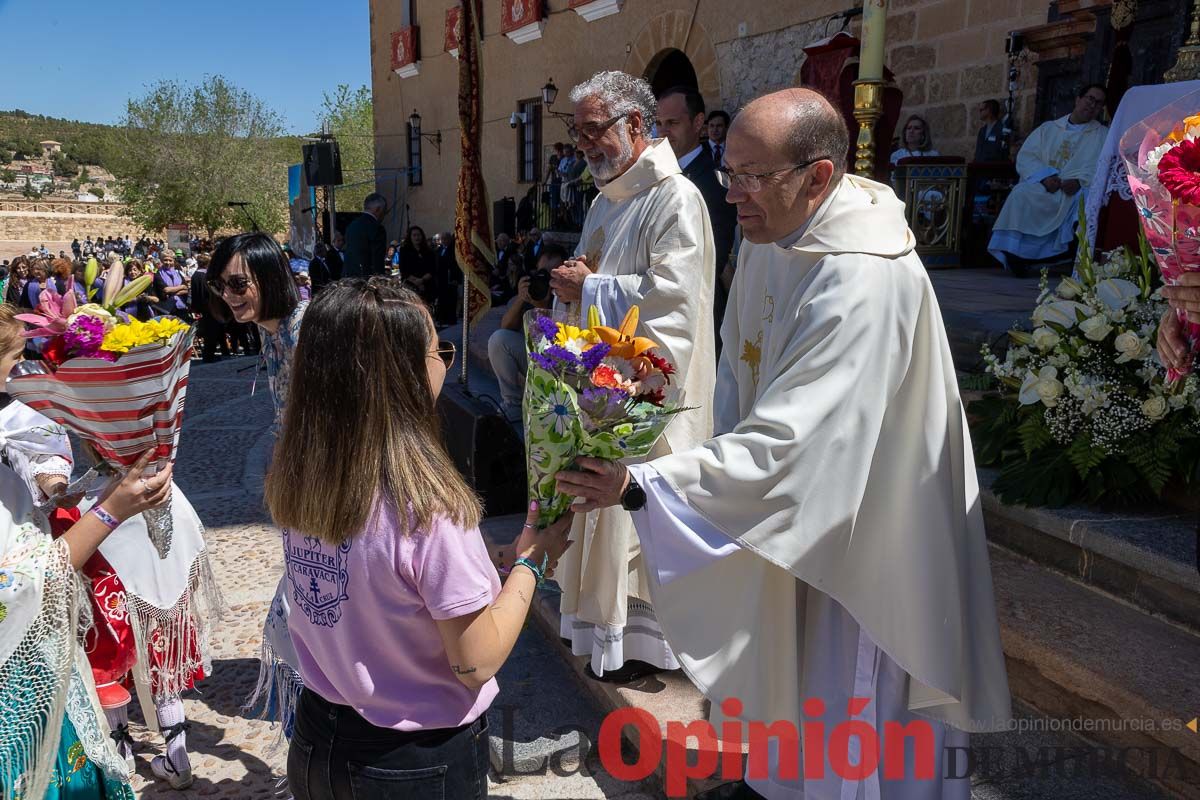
column 547, row 210
column 61, row 207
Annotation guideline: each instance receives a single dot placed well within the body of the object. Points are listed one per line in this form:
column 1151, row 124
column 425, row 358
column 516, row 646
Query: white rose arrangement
column 1085, row 411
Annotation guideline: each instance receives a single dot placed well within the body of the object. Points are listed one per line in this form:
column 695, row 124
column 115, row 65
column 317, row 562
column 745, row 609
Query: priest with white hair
column 827, row 543
column 647, row 242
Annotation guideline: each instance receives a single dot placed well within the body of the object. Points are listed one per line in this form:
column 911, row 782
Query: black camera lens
column 539, row 285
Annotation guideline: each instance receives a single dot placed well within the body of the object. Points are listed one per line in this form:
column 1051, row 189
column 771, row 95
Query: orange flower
column 622, row 342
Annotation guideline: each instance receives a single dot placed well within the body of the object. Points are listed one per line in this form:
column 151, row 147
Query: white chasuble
column 841, row 467
column 648, row 241
column 1035, row 223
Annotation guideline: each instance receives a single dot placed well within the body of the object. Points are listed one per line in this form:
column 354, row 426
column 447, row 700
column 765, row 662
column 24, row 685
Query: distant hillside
column 87, row 143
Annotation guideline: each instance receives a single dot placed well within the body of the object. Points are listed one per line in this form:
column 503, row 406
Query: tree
column 8, row 176
column 98, row 191
column 185, row 152
column 351, row 119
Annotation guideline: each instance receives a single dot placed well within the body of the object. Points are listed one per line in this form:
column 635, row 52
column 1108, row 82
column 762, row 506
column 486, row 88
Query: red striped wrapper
column 122, row 408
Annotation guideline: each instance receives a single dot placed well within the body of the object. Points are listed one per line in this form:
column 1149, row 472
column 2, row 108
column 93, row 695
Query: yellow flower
column 569, row 333
column 135, row 333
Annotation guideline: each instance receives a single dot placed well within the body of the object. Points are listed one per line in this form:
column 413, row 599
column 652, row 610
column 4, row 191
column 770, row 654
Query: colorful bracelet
column 537, row 572
column 108, row 519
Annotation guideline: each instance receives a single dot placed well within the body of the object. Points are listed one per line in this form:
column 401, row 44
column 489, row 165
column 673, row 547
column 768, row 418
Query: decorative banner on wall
column 521, row 20
column 453, row 29
column 404, row 51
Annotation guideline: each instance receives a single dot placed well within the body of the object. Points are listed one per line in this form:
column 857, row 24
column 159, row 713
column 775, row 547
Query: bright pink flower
column 1179, row 172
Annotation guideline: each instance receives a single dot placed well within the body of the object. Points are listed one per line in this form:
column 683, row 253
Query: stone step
column 1077, row 654
column 1077, row 672
column 1147, row 558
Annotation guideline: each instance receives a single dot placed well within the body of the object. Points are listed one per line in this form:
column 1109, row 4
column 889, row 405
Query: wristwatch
column 634, row 497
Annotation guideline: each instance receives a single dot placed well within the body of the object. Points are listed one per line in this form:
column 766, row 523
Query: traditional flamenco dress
column 53, row 740
column 149, row 616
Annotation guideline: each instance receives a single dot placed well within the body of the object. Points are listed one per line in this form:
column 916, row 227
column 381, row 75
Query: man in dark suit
column 680, row 119
column 366, row 240
column 212, row 330
column 532, row 250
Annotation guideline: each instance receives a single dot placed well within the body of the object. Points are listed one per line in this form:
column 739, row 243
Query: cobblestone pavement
column 222, row 457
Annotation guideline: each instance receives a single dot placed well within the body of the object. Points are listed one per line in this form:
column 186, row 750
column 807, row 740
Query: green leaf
column 1084, row 456
column 1045, row 479
column 1033, row 433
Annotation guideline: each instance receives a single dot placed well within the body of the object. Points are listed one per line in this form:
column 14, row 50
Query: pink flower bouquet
column 1162, row 157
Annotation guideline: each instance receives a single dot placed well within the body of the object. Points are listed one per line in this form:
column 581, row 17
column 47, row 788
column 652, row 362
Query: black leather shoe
column 736, row 790
column 629, row 672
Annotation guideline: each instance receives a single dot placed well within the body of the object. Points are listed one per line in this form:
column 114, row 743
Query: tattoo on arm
column 462, row 670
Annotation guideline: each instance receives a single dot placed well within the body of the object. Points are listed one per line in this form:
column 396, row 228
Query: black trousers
column 212, row 332
column 335, row 754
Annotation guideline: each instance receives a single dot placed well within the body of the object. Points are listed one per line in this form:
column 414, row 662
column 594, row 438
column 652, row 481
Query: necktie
column 717, row 154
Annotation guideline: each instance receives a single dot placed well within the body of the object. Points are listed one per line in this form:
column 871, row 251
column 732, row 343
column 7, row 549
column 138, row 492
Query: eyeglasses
column 446, row 352
column 236, row 284
column 592, row 130
column 750, row 182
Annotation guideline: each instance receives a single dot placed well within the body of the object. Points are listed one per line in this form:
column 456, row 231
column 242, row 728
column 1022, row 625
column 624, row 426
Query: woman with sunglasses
column 250, row 282
column 399, row 619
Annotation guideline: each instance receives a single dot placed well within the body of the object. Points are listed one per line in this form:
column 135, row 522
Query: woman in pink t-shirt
column 398, row 617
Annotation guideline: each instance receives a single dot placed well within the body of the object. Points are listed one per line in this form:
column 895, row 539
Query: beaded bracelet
column 537, row 572
column 108, row 519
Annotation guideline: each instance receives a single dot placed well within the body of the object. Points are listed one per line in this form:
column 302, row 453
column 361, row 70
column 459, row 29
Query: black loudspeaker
column 504, row 217
column 322, row 164
column 485, row 448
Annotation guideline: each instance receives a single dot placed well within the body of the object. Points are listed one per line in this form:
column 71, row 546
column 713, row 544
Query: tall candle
column 870, row 58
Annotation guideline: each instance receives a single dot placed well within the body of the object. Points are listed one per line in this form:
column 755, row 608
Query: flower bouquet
column 593, row 391
column 115, row 381
column 1086, row 411
column 1162, row 156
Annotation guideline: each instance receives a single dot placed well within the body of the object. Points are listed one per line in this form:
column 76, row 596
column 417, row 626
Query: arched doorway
column 669, row 40
column 669, row 69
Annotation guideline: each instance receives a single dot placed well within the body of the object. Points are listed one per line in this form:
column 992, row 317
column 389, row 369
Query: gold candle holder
column 1187, row 61
column 868, row 108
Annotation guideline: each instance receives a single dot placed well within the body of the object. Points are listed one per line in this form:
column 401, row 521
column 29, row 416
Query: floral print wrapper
column 566, row 415
column 1162, row 156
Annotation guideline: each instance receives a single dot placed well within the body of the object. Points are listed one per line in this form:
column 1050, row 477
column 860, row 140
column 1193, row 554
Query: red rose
column 54, row 352
column 1179, row 172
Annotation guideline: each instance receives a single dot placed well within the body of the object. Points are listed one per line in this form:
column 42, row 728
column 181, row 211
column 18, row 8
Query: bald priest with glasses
column 821, row 557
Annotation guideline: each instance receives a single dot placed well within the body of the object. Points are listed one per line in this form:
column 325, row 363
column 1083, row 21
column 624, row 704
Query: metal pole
column 466, row 333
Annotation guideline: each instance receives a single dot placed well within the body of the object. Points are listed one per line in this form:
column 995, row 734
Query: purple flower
column 84, row 336
column 546, row 326
column 592, row 357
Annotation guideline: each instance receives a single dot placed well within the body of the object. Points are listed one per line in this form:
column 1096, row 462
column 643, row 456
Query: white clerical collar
column 786, row 242
column 688, row 158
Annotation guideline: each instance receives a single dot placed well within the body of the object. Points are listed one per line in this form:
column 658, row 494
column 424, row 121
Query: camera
column 517, row 118
column 539, row 285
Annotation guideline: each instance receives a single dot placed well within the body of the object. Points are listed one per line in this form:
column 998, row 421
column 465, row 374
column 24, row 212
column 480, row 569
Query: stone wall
column 28, row 226
column 948, row 56
column 756, row 65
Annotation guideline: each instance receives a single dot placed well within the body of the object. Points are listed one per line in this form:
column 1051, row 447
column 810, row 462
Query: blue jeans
column 335, row 754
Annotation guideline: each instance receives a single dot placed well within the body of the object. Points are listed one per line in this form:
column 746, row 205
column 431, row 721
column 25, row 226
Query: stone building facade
column 947, row 56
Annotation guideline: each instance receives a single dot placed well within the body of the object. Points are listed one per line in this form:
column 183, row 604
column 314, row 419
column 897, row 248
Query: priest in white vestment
column 828, row 541
column 647, row 241
column 1056, row 164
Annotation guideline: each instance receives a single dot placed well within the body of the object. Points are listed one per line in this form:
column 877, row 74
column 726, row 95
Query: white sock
column 118, row 719
column 170, row 713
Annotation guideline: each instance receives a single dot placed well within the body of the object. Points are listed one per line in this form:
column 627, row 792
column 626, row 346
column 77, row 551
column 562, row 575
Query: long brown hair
column 361, row 424
column 11, row 328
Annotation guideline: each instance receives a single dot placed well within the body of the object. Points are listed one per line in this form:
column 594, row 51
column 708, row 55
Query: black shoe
column 632, row 671
column 737, row 790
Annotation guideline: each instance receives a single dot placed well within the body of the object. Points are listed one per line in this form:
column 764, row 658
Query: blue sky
column 82, row 59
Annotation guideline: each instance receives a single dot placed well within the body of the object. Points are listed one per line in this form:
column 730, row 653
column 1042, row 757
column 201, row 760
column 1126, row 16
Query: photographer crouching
column 506, row 347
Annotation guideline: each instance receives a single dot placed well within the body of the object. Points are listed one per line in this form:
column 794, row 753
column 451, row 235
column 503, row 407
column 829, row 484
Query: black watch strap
column 634, row 496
